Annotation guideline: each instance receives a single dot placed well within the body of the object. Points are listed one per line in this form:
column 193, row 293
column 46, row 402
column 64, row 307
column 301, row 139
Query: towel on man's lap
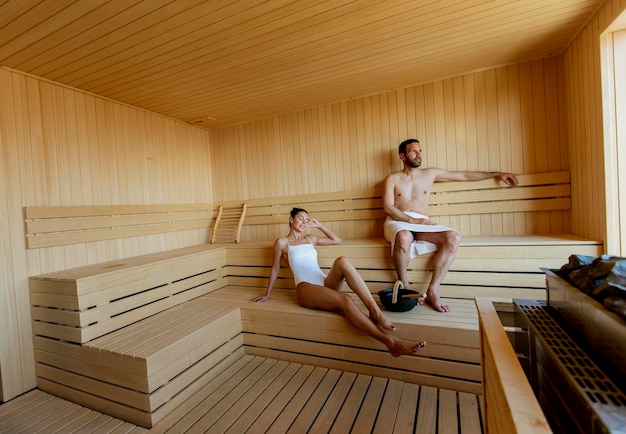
column 418, row 247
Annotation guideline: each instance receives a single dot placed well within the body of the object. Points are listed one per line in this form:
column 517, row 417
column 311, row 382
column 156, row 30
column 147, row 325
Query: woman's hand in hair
column 313, row 223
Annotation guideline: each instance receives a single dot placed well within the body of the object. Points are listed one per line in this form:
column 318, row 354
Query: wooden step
column 138, row 372
column 279, row 328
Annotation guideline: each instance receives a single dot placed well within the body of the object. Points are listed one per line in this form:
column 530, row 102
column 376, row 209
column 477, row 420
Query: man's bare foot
column 435, row 302
column 380, row 319
column 405, row 348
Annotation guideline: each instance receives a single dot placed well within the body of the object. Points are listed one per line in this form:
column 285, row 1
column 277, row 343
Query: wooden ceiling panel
column 239, row 60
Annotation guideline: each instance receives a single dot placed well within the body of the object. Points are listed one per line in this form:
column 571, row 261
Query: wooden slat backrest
column 59, row 225
column 48, row 226
column 227, row 226
column 535, row 192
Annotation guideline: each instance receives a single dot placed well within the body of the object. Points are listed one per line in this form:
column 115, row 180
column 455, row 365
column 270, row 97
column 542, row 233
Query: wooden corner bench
column 142, row 370
column 129, row 336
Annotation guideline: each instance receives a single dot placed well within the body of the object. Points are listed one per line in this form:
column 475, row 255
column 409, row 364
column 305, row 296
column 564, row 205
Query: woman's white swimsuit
column 304, row 265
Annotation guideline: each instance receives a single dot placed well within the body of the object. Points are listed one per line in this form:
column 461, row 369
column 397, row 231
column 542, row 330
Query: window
column 613, row 51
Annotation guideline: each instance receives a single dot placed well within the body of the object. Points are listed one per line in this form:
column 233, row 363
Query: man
column 409, row 230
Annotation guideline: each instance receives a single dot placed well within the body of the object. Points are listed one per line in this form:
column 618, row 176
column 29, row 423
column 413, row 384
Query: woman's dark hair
column 403, row 145
column 295, row 211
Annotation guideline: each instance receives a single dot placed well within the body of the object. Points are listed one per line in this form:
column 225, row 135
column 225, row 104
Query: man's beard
column 414, row 163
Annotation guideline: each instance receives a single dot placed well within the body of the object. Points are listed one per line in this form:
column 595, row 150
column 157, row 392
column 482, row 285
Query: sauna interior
column 164, row 112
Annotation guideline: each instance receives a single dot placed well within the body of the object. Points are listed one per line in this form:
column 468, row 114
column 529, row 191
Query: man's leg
column 401, row 256
column 448, row 243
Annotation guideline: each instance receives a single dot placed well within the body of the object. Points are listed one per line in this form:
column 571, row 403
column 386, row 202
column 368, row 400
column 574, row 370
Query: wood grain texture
column 510, row 402
column 60, row 146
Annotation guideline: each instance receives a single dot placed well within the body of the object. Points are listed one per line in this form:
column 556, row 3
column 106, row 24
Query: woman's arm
column 330, row 239
column 278, row 254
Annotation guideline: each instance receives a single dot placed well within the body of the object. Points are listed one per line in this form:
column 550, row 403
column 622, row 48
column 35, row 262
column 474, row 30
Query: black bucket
column 402, row 304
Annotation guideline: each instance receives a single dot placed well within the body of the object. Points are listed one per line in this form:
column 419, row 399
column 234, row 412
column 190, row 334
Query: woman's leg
column 343, row 269
column 322, row 298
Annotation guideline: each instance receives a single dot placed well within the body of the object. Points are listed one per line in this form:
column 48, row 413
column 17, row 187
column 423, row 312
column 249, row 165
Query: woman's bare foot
column 435, row 302
column 401, row 347
column 380, row 319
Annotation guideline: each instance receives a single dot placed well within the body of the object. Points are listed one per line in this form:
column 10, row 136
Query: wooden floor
column 259, row 395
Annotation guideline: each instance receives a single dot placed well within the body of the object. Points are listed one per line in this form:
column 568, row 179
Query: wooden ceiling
column 218, row 62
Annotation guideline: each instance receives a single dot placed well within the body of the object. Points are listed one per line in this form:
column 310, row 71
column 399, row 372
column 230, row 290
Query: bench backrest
column 59, row 225
column 536, row 192
column 48, row 226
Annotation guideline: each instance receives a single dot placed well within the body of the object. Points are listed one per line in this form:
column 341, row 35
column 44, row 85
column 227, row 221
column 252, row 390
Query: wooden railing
column 510, row 404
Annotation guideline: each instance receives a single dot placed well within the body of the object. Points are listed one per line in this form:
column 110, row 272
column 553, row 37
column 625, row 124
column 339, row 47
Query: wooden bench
column 508, row 233
column 77, row 313
column 510, row 403
column 520, row 222
column 143, row 372
column 281, row 329
column 145, row 384
column 485, row 266
column 81, row 304
column 123, row 336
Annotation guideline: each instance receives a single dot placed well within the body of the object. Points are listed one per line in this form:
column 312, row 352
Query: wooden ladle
column 398, row 285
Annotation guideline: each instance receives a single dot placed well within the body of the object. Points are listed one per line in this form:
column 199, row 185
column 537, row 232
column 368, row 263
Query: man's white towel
column 391, row 228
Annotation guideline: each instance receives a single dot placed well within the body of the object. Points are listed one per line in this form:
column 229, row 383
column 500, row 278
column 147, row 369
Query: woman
column 316, row 290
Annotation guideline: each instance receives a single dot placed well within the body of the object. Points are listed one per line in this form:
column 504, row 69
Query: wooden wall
column 511, row 118
column 60, row 146
column 585, row 124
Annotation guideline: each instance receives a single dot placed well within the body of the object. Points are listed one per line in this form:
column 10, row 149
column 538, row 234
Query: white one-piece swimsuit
column 304, row 265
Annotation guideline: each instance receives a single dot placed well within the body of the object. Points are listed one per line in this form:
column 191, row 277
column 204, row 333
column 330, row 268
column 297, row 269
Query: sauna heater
column 575, row 359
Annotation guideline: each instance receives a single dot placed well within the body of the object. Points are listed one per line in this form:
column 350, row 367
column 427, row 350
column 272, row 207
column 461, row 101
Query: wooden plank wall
column 510, row 118
column 585, row 124
column 63, row 147
column 60, row 146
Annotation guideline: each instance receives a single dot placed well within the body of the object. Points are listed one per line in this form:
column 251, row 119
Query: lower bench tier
column 144, row 371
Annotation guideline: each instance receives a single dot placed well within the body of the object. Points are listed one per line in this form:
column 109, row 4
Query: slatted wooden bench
column 281, row 329
column 83, row 303
column 485, row 266
column 76, row 311
column 505, row 265
column 144, row 371
column 123, row 336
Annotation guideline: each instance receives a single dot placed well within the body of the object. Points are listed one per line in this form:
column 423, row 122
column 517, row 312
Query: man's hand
column 508, row 179
column 415, row 221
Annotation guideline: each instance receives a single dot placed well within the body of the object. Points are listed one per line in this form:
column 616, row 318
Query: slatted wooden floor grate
column 258, row 395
